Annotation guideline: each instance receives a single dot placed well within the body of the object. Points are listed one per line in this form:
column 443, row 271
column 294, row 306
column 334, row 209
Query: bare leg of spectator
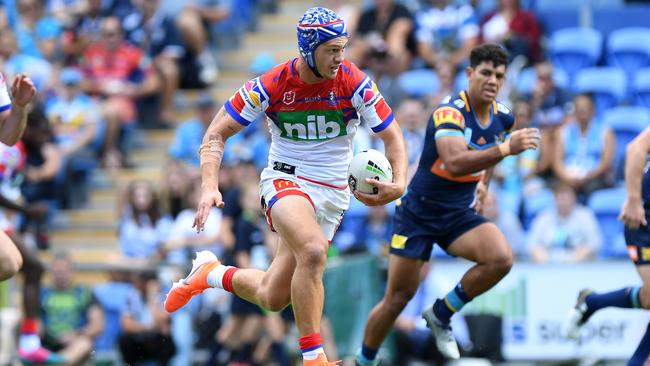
column 111, row 155
column 171, row 78
column 189, row 25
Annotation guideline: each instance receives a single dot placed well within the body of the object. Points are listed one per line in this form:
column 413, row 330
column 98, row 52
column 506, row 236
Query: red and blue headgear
column 317, row 26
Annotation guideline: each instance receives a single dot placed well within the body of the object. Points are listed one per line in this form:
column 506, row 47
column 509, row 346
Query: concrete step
column 89, row 216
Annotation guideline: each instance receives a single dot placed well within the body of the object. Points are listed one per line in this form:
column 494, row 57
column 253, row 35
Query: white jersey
column 5, row 101
column 312, row 125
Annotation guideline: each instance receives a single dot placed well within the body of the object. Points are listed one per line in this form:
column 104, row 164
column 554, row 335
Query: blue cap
column 317, row 26
column 70, row 75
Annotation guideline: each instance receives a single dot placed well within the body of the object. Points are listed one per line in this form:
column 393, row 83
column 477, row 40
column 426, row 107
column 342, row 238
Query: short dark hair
column 488, row 52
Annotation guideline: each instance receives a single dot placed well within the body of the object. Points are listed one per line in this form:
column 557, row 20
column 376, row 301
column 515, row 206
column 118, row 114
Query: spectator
column 37, row 34
column 183, row 240
column 385, row 41
column 507, row 222
column 446, row 33
column 549, row 104
column 82, row 31
column 145, row 325
column 189, row 134
column 447, row 77
column 177, row 46
column 15, row 63
column 118, row 85
column 143, row 227
column 584, row 153
column 72, row 318
column 566, row 233
column 517, row 29
column 175, row 186
column 412, row 118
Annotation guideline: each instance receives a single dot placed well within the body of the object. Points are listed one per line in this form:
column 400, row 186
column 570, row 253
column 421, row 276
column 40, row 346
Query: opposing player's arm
column 459, row 160
column 633, row 213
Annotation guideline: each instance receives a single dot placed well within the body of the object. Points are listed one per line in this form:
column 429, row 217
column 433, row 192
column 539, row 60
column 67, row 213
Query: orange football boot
column 195, row 282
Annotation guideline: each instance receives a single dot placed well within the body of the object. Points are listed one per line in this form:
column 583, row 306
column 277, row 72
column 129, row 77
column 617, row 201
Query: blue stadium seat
column 420, row 82
column 607, row 84
column 606, row 204
column 460, row 82
column 627, row 123
column 574, row 49
column 554, row 19
column 609, row 19
column 641, row 88
column 629, row 49
column 536, row 203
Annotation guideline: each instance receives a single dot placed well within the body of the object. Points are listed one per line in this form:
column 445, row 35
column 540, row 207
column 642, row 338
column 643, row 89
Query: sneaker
column 321, row 360
column 579, row 315
column 40, row 356
column 195, row 282
column 443, row 334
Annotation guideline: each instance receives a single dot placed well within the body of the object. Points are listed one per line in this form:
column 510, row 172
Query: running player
column 637, row 237
column 314, row 104
column 13, row 118
column 466, row 134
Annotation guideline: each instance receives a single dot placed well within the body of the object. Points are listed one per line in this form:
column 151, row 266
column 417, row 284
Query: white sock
column 29, row 342
column 216, row 276
column 312, row 354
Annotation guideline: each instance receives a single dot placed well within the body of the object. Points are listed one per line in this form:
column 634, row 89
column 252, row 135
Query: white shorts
column 329, row 203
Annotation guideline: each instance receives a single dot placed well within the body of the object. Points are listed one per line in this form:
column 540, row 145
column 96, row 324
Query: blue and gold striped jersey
column 455, row 117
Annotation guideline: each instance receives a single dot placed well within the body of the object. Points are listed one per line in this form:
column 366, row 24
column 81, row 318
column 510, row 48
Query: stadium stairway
column 90, row 233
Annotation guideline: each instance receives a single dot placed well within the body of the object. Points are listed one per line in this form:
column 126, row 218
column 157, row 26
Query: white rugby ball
column 368, row 164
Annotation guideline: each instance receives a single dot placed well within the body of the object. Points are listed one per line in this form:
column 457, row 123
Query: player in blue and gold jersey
column 635, row 214
column 466, row 136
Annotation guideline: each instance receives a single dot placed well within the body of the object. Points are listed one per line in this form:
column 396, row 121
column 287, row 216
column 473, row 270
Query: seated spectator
column 72, row 318
column 585, row 149
column 446, row 32
column 566, row 233
column 517, row 29
column 447, row 77
column 178, row 47
column 83, row 30
column 384, row 40
column 189, row 134
column 183, row 240
column 412, row 118
column 507, row 222
column 550, row 105
column 38, row 35
column 175, row 185
column 14, row 63
column 118, row 85
column 145, row 325
column 142, row 226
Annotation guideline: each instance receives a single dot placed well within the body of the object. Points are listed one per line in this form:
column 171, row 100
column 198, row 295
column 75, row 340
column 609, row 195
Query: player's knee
column 397, row 300
column 313, row 255
column 501, row 264
column 644, row 297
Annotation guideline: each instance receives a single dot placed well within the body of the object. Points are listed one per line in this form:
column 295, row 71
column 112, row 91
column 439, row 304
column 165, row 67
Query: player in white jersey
column 313, row 105
column 13, row 117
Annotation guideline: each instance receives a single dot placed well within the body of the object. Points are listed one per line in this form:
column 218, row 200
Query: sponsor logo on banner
column 448, row 115
column 289, row 97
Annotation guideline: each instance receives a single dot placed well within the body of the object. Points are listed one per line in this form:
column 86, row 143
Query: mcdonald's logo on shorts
column 281, row 184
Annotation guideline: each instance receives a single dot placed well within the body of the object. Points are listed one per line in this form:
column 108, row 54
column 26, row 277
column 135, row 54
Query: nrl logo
column 289, row 97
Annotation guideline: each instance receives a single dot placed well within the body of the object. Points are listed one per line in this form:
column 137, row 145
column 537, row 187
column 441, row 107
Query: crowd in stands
column 107, row 69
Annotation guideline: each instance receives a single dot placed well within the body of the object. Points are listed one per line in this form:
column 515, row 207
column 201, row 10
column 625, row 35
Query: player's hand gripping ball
column 368, row 164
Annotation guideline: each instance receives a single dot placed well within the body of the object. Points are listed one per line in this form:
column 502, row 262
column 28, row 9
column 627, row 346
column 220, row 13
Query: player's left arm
column 396, row 154
column 12, row 124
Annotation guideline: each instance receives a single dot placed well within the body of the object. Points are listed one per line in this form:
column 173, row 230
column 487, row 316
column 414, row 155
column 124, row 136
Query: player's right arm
column 222, row 127
column 633, row 214
column 458, row 159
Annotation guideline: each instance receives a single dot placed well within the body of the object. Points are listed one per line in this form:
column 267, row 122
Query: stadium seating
column 607, row 84
column 629, row 49
column 609, row 19
column 420, row 82
column 641, row 88
column 627, row 123
column 606, row 204
column 574, row 49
